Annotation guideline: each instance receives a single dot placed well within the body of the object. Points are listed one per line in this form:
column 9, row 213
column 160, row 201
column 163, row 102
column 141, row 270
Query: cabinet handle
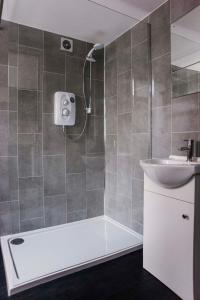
column 186, row 217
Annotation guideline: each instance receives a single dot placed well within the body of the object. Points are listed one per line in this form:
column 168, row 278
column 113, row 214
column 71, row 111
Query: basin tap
column 189, row 149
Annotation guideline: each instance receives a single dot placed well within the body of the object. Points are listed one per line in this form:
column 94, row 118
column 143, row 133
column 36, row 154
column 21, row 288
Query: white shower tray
column 56, row 251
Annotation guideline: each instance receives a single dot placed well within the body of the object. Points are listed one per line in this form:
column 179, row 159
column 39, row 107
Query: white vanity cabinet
column 169, row 236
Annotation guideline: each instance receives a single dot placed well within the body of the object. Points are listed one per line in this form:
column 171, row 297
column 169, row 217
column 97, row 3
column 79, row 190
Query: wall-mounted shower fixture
column 87, row 106
column 90, row 58
column 64, row 109
column 66, row 44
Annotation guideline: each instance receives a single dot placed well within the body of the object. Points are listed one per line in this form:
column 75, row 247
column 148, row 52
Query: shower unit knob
column 66, row 102
column 65, row 112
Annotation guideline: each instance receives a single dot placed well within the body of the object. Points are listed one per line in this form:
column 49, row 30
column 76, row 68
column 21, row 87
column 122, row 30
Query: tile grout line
column 132, row 108
column 65, row 140
column 18, row 179
column 43, row 197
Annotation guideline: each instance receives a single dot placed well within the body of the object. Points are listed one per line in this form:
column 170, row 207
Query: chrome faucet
column 189, row 148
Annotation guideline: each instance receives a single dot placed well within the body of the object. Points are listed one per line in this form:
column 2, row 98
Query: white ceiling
column 93, row 21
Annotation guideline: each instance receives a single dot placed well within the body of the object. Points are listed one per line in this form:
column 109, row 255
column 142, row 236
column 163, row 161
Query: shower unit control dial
column 64, row 109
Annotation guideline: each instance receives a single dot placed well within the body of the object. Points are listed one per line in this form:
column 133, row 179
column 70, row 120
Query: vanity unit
column 171, row 224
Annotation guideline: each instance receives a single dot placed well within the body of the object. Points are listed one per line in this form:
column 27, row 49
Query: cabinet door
column 168, row 242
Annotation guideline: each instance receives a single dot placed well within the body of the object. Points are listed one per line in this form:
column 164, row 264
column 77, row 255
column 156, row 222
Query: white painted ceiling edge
column 87, row 20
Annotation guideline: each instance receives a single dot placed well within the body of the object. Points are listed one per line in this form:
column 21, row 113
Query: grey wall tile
column 8, row 133
column 95, row 144
column 140, row 65
column 95, row 203
column 13, row 37
column 123, row 212
column 31, row 224
column 124, row 145
column 30, row 37
column 54, row 58
column 99, row 97
column 161, row 132
column 125, row 93
column 76, row 182
column 75, row 155
column 161, row 120
column 111, row 144
column 4, row 43
column 9, row 217
column 137, row 227
column 31, row 197
column 4, row 87
column 30, row 68
column 76, row 215
column 52, row 83
column 99, row 65
column 80, row 48
column 138, row 197
column 110, row 195
column 111, row 52
column 161, row 75
column 111, row 153
column 9, row 182
column 185, row 114
column 111, row 79
column 110, row 185
column 161, row 146
column 111, row 162
column 12, row 88
column 55, row 210
column 160, row 26
column 111, row 115
column 95, row 173
column 30, row 155
column 29, row 112
column 124, row 175
column 74, row 75
column 53, row 137
column 54, row 175
column 141, row 111
column 141, row 150
column 124, row 52
column 95, row 135
column 139, row 32
column 76, row 199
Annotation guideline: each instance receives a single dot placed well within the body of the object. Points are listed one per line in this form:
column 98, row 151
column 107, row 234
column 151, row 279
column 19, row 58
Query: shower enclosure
column 83, row 188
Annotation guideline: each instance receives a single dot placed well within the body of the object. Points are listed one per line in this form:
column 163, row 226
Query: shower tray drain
column 17, row 241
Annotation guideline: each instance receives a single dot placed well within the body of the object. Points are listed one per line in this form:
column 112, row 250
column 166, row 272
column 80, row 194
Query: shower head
column 98, row 46
column 89, row 57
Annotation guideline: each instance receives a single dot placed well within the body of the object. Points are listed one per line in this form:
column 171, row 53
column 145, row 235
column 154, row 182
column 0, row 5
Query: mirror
column 185, row 54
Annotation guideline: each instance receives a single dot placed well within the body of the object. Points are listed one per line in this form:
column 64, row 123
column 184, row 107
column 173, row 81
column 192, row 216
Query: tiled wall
column 127, row 76
column 46, row 178
column 127, row 115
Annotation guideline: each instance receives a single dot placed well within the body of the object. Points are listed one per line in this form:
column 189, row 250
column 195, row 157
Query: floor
column 119, row 279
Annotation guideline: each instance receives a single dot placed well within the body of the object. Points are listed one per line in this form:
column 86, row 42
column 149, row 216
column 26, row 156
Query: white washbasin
column 170, row 173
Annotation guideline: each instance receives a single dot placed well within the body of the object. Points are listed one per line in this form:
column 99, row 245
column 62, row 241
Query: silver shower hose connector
column 88, row 110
